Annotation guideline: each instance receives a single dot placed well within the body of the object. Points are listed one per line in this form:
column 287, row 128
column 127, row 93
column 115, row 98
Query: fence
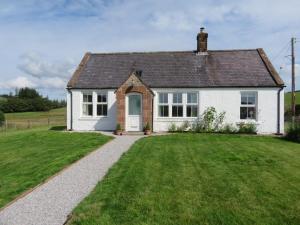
column 32, row 123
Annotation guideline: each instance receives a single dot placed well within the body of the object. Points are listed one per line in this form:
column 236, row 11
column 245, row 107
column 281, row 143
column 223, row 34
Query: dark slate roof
column 225, row 68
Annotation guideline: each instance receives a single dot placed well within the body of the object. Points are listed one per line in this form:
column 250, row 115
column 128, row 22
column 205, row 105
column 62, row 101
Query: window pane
column 134, row 104
column 163, row 98
column 87, row 98
column 102, row 98
column 87, row 109
column 244, row 99
column 192, row 111
column 102, row 110
column 251, row 100
column 163, row 111
column 191, row 98
column 177, row 97
column 243, row 113
column 251, row 113
column 177, row 111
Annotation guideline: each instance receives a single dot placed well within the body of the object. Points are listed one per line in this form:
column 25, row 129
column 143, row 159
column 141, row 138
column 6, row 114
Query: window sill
column 91, row 118
column 175, row 118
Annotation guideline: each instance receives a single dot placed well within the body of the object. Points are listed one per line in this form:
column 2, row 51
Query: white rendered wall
column 94, row 122
column 223, row 99
column 228, row 100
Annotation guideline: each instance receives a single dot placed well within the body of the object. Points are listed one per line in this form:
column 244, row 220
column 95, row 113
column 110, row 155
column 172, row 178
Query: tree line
column 28, row 100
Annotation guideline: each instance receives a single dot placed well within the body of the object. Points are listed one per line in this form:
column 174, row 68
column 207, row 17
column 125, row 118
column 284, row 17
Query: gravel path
column 53, row 201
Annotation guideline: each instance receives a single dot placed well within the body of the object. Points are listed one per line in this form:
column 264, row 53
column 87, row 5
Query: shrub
column 198, row 126
column 209, row 121
column 147, row 126
column 2, row 118
column 118, row 127
column 247, row 128
column 229, row 129
column 185, row 126
column 293, row 133
column 172, row 128
column 209, row 116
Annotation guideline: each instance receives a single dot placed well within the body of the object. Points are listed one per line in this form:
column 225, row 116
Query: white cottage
column 160, row 88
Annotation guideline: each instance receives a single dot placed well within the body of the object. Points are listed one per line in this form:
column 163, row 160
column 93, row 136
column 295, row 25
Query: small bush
column 118, row 127
column 2, row 118
column 147, row 126
column 229, row 129
column 293, row 133
column 247, row 128
column 184, row 127
column 172, row 128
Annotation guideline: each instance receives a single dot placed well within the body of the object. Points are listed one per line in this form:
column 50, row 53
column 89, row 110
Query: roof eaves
column 78, row 70
column 270, row 67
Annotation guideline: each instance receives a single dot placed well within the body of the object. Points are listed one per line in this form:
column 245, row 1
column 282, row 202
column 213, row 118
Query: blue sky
column 43, row 41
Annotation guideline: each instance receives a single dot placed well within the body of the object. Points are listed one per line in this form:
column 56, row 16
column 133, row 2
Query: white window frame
column 87, row 103
column 163, row 104
column 192, row 104
column 177, row 104
column 249, row 105
column 101, row 103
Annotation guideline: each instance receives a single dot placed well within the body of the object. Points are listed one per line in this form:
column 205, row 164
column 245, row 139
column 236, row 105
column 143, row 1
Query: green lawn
column 29, row 157
column 54, row 113
column 199, row 179
column 25, row 120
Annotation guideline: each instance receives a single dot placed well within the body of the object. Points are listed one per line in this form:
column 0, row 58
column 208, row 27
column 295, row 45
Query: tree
column 28, row 93
column 2, row 118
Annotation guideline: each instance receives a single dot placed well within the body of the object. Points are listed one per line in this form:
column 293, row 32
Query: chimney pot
column 202, row 41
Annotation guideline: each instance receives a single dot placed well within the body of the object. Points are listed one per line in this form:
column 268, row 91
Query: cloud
column 18, row 82
column 40, row 73
column 34, row 65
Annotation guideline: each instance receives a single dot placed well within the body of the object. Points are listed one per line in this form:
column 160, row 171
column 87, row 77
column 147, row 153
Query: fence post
column 48, row 122
column 5, row 125
column 28, row 124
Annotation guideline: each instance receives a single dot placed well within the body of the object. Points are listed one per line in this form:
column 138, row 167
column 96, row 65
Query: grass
column 199, row 179
column 288, row 97
column 25, row 120
column 29, row 157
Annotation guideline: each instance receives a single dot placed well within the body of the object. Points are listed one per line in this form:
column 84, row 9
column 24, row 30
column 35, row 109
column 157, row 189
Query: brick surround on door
column 131, row 85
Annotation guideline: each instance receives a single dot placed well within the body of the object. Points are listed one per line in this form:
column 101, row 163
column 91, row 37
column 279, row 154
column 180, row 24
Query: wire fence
column 9, row 125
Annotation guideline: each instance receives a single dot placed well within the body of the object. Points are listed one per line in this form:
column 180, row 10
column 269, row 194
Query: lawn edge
column 52, row 176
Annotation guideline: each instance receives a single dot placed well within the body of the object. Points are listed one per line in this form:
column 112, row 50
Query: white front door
column 133, row 112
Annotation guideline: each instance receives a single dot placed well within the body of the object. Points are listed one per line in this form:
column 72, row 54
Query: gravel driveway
column 53, row 201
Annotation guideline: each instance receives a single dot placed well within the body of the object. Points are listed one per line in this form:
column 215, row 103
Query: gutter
column 71, row 109
column 278, row 110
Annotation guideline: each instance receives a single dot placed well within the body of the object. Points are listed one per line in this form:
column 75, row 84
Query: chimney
column 202, row 41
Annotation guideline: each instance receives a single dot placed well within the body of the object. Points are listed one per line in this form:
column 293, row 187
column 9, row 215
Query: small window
column 248, row 105
column 163, row 98
column 177, row 98
column 101, row 105
column 87, row 105
column 192, row 105
column 163, row 107
column 134, row 105
column 177, row 107
column 177, row 111
column 192, row 98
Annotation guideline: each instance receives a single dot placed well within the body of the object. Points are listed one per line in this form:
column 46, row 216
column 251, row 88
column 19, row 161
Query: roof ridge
column 166, row 52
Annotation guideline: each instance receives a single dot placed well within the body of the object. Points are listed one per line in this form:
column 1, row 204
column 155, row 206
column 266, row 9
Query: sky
column 43, row 41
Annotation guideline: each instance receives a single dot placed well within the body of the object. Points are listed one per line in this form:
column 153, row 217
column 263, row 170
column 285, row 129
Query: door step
column 135, row 133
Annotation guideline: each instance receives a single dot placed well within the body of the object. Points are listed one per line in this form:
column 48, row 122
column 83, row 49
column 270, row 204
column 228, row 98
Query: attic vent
column 139, row 73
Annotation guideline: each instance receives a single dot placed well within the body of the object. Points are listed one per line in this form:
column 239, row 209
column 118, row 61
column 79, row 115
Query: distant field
column 26, row 120
column 2, row 99
column 287, row 99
